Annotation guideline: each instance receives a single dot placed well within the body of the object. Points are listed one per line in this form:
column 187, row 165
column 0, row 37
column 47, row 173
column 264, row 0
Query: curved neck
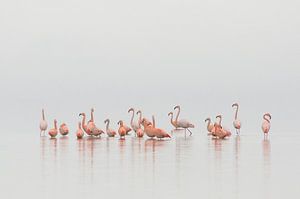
column 107, row 124
column 267, row 119
column 153, row 121
column 79, row 125
column 43, row 114
column 131, row 121
column 220, row 121
column 83, row 120
column 177, row 116
column 140, row 118
column 92, row 116
column 236, row 111
column 55, row 124
column 208, row 124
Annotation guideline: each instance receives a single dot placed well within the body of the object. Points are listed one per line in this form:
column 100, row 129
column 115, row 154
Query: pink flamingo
column 266, row 125
column 43, row 123
column 84, row 126
column 134, row 125
column 139, row 132
column 110, row 132
column 236, row 123
column 221, row 132
column 53, row 132
column 148, row 128
column 63, row 129
column 210, row 127
column 79, row 132
column 160, row 133
column 122, row 130
column 183, row 123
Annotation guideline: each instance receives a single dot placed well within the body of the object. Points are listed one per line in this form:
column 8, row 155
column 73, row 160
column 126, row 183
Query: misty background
column 68, row 56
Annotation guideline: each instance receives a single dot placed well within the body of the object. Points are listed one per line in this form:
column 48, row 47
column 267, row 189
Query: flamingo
column 148, row 128
column 160, row 133
column 53, row 132
column 219, row 131
column 134, row 125
column 43, row 123
column 210, row 127
column 122, row 130
column 110, row 132
column 183, row 123
column 139, row 131
column 266, row 125
column 237, row 123
column 172, row 121
column 79, row 132
column 63, row 129
column 84, row 126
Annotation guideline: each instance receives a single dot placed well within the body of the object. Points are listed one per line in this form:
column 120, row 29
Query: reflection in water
column 266, row 146
column 237, row 158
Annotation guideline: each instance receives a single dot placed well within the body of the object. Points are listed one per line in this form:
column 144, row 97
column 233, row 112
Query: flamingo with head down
column 79, row 132
column 122, row 130
column 63, row 129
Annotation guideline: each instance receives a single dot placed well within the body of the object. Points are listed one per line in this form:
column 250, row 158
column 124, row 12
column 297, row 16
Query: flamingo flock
column 142, row 126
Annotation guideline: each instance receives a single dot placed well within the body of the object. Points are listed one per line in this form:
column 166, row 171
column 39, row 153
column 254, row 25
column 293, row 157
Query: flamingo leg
column 190, row 131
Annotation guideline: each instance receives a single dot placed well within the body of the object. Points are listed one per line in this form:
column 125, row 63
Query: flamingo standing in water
column 79, row 132
column 172, row 121
column 63, row 129
column 183, row 123
column 148, row 128
column 139, row 132
column 43, row 123
column 84, row 126
column 53, row 132
column 110, row 132
column 219, row 131
column 134, row 125
column 92, row 126
column 210, row 127
column 122, row 130
column 237, row 123
column 160, row 133
column 266, row 125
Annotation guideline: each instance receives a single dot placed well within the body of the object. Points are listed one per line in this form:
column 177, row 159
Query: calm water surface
column 245, row 166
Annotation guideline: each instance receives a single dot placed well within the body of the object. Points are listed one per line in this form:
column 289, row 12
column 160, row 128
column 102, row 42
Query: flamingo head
column 131, row 109
column 207, row 119
column 235, row 104
column 219, row 116
column 107, row 120
column 177, row 107
column 120, row 122
column 139, row 112
column 171, row 113
column 269, row 115
column 81, row 114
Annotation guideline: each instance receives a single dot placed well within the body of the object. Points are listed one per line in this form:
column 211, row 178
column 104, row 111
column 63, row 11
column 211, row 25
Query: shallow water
column 245, row 166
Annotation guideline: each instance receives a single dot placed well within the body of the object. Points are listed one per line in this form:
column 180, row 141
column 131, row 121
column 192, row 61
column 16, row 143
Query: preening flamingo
column 110, row 132
column 84, row 126
column 79, row 132
column 63, row 129
column 148, row 128
column 122, row 130
column 53, row 132
column 237, row 123
column 43, row 123
column 134, row 125
column 183, row 123
column 266, row 125
column 210, row 127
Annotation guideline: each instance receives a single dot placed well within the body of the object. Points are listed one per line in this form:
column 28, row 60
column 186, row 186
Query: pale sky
column 68, row 56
